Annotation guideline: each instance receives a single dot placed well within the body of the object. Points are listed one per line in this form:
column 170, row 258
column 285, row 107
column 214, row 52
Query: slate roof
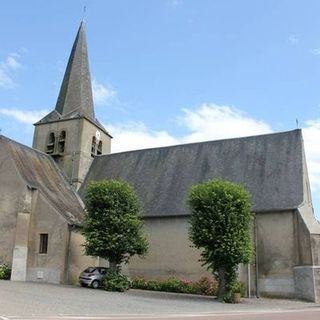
column 39, row 171
column 75, row 97
column 271, row 166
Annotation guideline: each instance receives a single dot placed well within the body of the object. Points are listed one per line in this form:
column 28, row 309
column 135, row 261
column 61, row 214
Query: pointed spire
column 76, row 92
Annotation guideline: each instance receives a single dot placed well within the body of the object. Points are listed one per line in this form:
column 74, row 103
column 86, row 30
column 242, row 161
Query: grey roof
column 75, row 97
column 271, row 166
column 39, row 171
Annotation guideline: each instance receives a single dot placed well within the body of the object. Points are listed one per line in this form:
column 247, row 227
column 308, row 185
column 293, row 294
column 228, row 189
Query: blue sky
column 170, row 71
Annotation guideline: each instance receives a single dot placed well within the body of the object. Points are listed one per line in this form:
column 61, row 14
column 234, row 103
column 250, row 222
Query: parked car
column 93, row 277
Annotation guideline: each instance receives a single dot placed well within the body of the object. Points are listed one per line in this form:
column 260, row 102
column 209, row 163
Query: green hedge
column 116, row 281
column 5, row 272
column 204, row 286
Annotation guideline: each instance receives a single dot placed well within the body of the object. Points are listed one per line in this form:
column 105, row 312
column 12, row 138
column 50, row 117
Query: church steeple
column 76, row 92
column 70, row 133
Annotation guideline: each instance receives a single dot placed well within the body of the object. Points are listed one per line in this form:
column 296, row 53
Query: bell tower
column 70, row 133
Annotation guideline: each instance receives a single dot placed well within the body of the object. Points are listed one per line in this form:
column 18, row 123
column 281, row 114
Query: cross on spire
column 84, row 12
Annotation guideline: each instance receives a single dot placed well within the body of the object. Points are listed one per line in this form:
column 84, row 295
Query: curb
column 170, row 295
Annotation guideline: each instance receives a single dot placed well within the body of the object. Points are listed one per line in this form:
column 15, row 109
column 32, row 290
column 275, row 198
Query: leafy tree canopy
column 112, row 225
column 220, row 225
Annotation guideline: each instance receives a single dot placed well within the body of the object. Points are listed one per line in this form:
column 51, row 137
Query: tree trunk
column 222, row 283
column 113, row 266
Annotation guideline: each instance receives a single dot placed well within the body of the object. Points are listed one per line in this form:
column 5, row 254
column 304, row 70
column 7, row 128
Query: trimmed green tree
column 112, row 224
column 220, row 225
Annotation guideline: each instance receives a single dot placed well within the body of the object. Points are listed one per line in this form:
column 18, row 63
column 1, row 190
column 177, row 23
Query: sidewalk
column 252, row 304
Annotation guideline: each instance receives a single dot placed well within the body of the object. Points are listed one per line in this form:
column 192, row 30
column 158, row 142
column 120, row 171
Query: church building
column 43, row 187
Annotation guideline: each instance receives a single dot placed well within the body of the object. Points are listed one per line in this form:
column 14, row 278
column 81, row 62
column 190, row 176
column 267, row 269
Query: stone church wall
column 76, row 159
column 12, row 192
column 51, row 266
column 277, row 253
column 307, row 272
column 88, row 131
column 77, row 261
column 40, row 141
column 170, row 253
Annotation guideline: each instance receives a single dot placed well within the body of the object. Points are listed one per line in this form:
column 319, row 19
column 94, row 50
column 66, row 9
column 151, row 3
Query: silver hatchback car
column 93, row 277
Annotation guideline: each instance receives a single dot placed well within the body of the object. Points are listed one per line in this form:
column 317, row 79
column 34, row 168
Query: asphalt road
column 21, row 300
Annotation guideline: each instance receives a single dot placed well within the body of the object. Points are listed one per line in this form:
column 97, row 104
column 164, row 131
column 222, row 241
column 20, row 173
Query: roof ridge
column 203, row 142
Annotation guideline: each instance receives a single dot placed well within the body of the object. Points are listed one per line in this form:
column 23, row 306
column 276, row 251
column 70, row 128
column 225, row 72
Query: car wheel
column 95, row 284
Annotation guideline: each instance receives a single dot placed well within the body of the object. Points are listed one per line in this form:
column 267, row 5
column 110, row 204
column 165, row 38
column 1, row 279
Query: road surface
column 34, row 301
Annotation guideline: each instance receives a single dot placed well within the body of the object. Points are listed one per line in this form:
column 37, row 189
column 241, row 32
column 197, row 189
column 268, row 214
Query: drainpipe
column 249, row 281
column 256, row 255
column 67, row 256
column 73, row 164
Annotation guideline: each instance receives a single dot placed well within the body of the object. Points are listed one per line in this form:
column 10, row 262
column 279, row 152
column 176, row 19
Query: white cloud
column 174, row 3
column 5, row 80
column 293, row 39
column 135, row 135
column 315, row 51
column 12, row 61
column 7, row 69
column 208, row 122
column 102, row 94
column 24, row 116
column 211, row 121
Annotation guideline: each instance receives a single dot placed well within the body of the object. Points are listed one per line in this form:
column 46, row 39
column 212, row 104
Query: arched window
column 51, row 143
column 61, row 141
column 93, row 146
column 99, row 151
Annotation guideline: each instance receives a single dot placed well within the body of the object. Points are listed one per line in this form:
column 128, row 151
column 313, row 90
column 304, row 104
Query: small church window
column 99, row 151
column 43, row 248
column 62, row 141
column 51, row 143
column 93, row 146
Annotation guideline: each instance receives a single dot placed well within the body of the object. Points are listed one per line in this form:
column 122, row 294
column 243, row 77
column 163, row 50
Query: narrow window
column 62, row 141
column 51, row 143
column 93, row 146
column 99, row 148
column 43, row 248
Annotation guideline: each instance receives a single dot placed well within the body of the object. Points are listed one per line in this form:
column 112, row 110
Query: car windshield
column 90, row 270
